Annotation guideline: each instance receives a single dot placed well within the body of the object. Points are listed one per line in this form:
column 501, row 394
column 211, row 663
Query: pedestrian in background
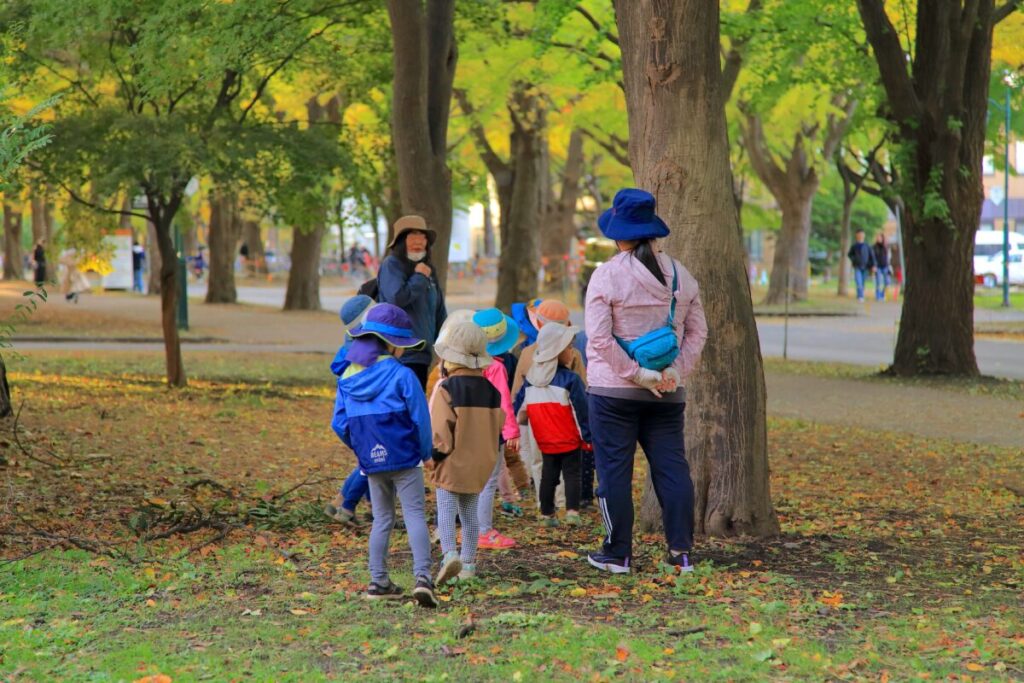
column 880, row 252
column 862, row 257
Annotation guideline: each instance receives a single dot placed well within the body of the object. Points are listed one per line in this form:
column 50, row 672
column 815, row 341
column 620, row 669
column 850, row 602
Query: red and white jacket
column 556, row 413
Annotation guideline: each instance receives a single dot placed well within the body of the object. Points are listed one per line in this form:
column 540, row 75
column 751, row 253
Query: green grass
column 986, row 386
column 993, row 299
column 240, row 614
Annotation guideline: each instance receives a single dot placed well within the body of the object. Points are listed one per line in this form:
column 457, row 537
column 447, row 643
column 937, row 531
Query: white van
column 988, row 258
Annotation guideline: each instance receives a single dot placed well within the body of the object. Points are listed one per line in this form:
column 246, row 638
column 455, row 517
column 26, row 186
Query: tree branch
column 614, row 145
column 76, row 84
column 1005, row 10
column 609, row 36
column 495, row 164
column 760, row 158
column 892, row 62
column 734, row 59
column 83, row 201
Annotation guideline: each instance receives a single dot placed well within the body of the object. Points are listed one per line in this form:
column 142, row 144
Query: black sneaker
column 386, row 592
column 682, row 561
column 608, row 563
column 424, row 592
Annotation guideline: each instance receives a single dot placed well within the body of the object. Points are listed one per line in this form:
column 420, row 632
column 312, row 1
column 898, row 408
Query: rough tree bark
column 522, row 186
column 793, row 184
column 39, row 231
column 12, row 243
column 253, row 237
column 154, row 259
column 489, row 244
column 225, row 226
column 520, row 249
column 559, row 219
column 162, row 210
column 424, row 55
column 939, row 106
column 680, row 152
column 303, row 293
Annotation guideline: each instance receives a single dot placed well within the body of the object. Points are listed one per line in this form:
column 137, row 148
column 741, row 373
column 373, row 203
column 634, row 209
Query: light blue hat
column 501, row 330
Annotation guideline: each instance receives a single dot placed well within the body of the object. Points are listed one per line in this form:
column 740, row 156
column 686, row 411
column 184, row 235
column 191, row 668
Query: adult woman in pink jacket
column 629, row 297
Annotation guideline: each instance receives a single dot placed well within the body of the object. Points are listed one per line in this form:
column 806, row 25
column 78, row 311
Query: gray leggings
column 485, row 504
column 407, row 485
column 464, row 505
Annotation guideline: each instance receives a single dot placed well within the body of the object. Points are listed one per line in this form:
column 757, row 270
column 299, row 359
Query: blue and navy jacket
column 339, row 363
column 381, row 414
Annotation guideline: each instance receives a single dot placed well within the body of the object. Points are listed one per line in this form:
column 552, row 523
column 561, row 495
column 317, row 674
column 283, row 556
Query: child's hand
column 588, row 447
column 428, row 465
column 513, row 444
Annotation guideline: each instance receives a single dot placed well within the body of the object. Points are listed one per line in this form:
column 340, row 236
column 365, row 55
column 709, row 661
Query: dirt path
column 923, row 411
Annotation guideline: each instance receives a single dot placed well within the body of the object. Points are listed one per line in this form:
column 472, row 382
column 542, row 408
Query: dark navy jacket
column 420, row 297
column 381, row 414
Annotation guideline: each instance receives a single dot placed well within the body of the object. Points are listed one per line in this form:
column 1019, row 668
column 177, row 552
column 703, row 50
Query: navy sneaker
column 608, row 563
column 388, row 591
column 424, row 592
column 682, row 561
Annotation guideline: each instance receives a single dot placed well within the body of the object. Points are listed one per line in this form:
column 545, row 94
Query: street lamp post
column 1006, row 196
column 1006, row 206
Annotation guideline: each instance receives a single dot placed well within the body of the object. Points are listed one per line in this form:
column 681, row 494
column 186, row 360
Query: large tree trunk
column 791, row 247
column 518, row 263
column 424, row 51
column 223, row 237
column 13, row 261
column 680, row 152
column 39, row 232
column 155, row 259
column 939, row 165
column 253, row 237
column 560, row 224
column 303, row 292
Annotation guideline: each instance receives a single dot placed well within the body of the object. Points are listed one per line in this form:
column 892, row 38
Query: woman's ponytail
column 644, row 252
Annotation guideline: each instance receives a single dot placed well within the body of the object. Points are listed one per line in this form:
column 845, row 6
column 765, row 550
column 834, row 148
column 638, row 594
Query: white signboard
column 996, row 195
column 461, row 248
column 121, row 262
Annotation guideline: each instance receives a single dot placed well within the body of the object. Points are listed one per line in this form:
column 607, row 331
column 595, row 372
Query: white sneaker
column 451, row 565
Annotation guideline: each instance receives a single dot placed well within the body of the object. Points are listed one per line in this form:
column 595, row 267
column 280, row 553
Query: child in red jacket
column 553, row 402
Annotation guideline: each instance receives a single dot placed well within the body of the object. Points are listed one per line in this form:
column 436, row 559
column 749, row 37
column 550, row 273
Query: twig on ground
column 308, row 481
column 21, row 446
column 216, row 485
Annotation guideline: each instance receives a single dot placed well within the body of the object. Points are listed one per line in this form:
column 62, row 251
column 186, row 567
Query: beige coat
column 466, row 418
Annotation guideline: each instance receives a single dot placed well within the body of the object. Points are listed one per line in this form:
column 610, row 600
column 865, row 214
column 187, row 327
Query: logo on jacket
column 378, row 453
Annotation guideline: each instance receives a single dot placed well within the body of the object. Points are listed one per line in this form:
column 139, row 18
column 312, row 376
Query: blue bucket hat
column 632, row 217
column 353, row 308
column 390, row 324
column 501, row 330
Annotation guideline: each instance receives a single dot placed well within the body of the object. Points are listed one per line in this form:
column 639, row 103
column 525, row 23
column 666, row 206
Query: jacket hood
column 646, row 279
column 365, row 384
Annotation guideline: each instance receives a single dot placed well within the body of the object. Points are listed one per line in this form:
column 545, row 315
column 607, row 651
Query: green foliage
column 868, row 214
column 18, row 139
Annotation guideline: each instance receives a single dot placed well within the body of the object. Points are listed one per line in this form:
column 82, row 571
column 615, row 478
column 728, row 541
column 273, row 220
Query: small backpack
column 371, row 288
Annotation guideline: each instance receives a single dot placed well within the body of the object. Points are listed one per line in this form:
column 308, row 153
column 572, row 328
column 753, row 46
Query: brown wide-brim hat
column 409, row 224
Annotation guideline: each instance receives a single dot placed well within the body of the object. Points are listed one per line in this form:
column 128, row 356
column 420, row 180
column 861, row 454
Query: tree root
column 28, row 454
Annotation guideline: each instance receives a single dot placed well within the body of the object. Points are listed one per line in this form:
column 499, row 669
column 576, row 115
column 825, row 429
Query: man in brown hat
column 407, row 280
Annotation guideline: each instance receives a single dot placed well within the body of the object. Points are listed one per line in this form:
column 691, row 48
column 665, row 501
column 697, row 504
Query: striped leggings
column 463, row 505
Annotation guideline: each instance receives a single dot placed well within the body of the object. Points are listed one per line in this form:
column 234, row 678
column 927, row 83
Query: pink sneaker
column 495, row 541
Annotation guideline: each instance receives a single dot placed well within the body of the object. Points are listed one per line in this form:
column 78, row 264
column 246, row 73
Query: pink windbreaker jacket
column 625, row 300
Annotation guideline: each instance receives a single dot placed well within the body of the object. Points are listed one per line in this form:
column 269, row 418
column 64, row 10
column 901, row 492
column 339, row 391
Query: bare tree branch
column 609, row 36
column 1004, row 11
column 892, row 61
column 495, row 164
column 734, row 59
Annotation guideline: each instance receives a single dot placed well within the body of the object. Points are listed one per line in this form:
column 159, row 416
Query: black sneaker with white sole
column 609, row 563
column 424, row 592
column 388, row 591
column 682, row 561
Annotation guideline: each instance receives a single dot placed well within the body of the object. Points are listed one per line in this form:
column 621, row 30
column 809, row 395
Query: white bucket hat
column 552, row 340
column 464, row 344
column 460, row 316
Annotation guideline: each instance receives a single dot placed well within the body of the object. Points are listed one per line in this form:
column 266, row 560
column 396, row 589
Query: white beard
column 416, row 256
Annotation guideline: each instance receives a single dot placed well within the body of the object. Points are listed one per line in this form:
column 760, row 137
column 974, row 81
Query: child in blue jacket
column 356, row 486
column 381, row 414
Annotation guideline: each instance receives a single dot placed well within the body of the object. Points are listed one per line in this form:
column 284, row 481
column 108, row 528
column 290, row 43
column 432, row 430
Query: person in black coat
column 407, row 280
column 39, row 258
column 883, row 271
column 863, row 259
